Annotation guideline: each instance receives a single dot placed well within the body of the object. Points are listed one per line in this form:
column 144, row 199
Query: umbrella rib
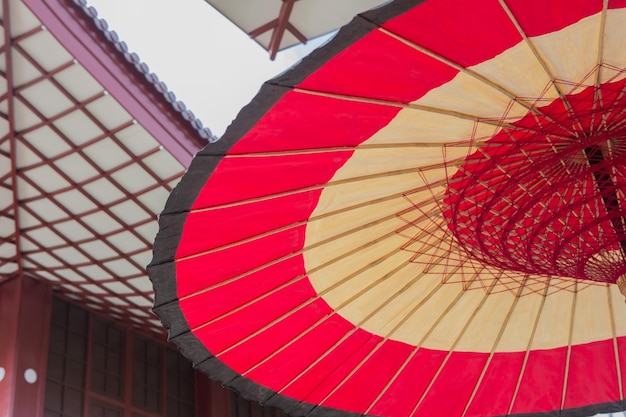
column 288, row 256
column 493, row 348
column 370, row 315
column 290, row 226
column 597, row 102
column 393, row 379
column 569, row 345
column 415, row 349
column 286, row 345
column 260, row 330
column 522, row 209
column 423, row 235
column 498, row 123
column 534, row 50
column 530, row 341
column 237, row 243
column 605, row 6
column 238, row 277
column 277, row 195
column 357, row 367
column 293, row 280
column 355, row 207
column 598, row 94
column 617, row 121
column 327, row 185
column 354, row 370
column 414, row 308
column 389, row 103
column 370, row 286
column 451, row 350
column 530, row 106
column 338, row 343
column 543, row 64
column 357, row 326
column 397, row 293
column 309, row 151
column 451, row 257
column 349, row 253
column 301, row 223
column 618, row 365
column 319, row 359
column 320, row 296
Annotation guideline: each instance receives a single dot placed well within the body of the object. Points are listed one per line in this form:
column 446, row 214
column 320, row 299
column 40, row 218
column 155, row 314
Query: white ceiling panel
column 88, row 177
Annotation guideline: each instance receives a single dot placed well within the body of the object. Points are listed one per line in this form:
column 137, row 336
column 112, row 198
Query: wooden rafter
column 278, row 27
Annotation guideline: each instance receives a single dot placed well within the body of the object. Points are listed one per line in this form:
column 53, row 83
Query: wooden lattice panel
column 88, row 179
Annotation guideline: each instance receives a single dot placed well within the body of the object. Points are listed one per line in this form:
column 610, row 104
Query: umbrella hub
column 547, row 194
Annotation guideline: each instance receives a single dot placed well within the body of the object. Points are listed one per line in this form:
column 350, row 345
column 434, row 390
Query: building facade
column 91, row 145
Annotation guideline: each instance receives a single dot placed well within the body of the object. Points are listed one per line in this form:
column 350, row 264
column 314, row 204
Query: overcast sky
column 211, row 65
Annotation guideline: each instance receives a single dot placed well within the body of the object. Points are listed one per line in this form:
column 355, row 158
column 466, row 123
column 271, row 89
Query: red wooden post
column 211, row 399
column 24, row 330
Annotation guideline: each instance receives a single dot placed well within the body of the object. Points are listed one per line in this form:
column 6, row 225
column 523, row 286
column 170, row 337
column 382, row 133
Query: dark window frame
column 95, row 347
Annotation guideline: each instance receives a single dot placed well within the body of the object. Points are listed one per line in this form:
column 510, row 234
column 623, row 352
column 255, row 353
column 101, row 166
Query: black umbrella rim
column 162, row 271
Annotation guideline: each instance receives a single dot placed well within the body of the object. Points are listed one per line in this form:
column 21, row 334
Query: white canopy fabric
column 311, row 18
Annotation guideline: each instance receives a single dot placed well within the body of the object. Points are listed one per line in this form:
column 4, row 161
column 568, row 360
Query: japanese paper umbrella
column 425, row 217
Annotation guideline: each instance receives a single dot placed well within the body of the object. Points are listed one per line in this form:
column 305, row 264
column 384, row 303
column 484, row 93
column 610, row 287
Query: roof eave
column 123, row 75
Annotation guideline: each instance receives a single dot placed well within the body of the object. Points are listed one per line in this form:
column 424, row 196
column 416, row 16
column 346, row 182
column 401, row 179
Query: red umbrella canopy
column 424, row 217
